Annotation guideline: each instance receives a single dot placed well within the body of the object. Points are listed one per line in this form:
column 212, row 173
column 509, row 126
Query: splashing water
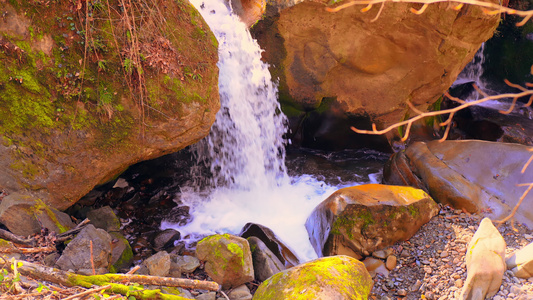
column 245, row 149
column 473, row 71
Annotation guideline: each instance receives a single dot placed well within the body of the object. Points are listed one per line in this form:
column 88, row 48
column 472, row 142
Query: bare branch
column 488, row 7
column 441, row 112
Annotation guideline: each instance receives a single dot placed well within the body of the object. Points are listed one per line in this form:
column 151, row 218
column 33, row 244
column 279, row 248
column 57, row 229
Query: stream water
column 245, row 152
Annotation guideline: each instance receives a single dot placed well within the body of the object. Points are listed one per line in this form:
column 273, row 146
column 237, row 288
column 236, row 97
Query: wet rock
column 265, row 234
column 485, row 262
column 165, row 239
column 454, row 173
column 121, row 252
column 207, row 296
column 359, row 220
column 158, row 264
column 265, row 262
column 228, row 259
column 183, row 264
column 104, row 218
column 249, row 11
column 521, row 262
column 77, row 255
column 240, row 293
column 335, row 277
column 24, row 215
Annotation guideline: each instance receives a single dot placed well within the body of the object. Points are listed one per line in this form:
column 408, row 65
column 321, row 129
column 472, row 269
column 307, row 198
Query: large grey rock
column 359, row 220
column 477, row 176
column 271, row 240
column 228, row 259
column 104, row 218
column 485, row 263
column 24, row 215
column 521, row 262
column 121, row 252
column 158, row 264
column 265, row 262
column 91, row 246
column 334, row 277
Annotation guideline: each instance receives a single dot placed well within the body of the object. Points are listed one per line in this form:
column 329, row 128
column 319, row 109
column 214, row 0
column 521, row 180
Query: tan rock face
column 477, row 176
column 73, row 117
column 485, row 262
column 359, row 220
column 370, row 67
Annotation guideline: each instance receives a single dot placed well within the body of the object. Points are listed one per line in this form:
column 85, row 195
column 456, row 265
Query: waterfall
column 245, row 150
column 474, row 70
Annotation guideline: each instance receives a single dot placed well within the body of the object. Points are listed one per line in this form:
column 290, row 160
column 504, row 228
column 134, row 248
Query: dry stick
column 441, row 112
column 72, row 232
column 70, row 279
column 28, row 250
column 496, row 8
column 92, row 258
column 87, row 292
column 6, row 235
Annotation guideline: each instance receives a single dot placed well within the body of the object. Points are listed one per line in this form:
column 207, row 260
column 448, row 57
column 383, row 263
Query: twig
column 88, row 292
column 513, row 212
column 8, row 236
column 72, row 232
column 92, row 258
column 410, row 121
column 133, row 270
column 28, row 250
column 488, row 7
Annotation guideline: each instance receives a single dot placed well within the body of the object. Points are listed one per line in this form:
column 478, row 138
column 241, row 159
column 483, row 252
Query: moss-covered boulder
column 369, row 62
column 228, row 259
column 90, row 88
column 335, row 277
column 359, row 220
column 25, row 215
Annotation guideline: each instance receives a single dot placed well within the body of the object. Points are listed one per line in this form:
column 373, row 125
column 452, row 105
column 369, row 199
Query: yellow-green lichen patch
column 340, row 277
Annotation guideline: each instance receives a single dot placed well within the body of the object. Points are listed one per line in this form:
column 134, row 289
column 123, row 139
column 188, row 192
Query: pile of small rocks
column 431, row 265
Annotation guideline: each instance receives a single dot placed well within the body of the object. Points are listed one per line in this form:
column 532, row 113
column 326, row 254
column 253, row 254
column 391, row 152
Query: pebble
column 432, row 263
column 402, row 293
column 458, row 283
column 391, row 262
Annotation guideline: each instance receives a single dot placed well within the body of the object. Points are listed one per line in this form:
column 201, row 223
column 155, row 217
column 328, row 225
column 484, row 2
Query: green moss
column 345, row 223
column 41, row 208
column 237, row 250
column 341, row 277
column 108, row 279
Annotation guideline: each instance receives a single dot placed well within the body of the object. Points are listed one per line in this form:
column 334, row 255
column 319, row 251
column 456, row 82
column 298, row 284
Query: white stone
column 521, row 262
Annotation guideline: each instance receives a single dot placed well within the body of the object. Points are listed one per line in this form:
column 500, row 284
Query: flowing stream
column 245, row 151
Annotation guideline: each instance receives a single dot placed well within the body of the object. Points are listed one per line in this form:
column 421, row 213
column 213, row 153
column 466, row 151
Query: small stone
column 240, row 293
column 428, row 270
column 528, row 236
column 515, row 290
column 498, row 297
column 444, row 254
column 458, row 283
column 416, row 286
column 381, row 254
column 425, row 262
column 391, row 262
column 187, row 264
column 402, row 293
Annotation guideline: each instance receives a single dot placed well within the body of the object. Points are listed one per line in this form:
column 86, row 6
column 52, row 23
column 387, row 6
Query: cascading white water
column 474, row 70
column 245, row 149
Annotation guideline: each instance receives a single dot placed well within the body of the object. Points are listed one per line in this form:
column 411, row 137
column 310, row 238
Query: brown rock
column 370, row 67
column 358, row 220
column 228, row 259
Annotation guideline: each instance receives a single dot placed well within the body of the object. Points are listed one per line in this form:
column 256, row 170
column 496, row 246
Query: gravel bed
column 431, row 265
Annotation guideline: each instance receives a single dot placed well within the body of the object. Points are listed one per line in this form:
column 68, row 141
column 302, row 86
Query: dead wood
column 117, row 282
column 8, row 236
